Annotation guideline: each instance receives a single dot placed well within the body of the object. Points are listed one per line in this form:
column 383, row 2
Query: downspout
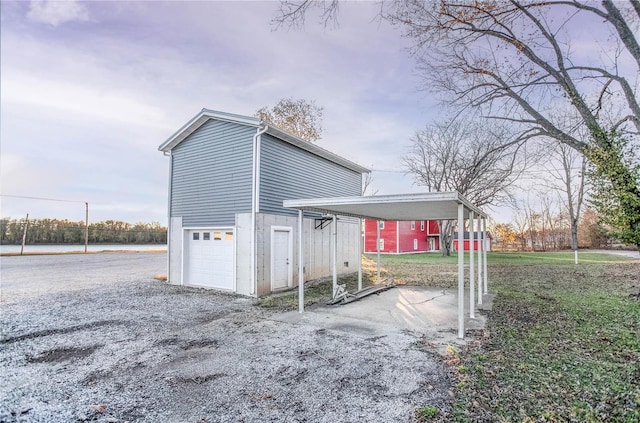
column 255, row 199
column 170, row 155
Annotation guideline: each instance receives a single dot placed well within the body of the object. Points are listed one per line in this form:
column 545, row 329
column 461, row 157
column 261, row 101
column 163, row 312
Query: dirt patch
column 199, row 343
column 63, row 354
column 196, row 379
column 60, row 331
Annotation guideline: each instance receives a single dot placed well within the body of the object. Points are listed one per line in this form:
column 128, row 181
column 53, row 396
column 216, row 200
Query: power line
column 42, row 198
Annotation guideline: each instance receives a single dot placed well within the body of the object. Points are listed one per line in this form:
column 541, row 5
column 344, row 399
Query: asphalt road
column 23, row 277
column 96, row 338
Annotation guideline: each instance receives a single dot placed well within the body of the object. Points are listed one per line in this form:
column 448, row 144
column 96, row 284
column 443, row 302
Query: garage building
column 228, row 229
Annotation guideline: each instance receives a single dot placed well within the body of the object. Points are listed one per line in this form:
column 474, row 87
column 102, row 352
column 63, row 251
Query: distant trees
column 301, row 118
column 55, row 231
column 547, row 227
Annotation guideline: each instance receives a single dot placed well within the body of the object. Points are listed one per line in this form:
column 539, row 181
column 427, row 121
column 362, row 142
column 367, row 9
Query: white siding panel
column 243, row 254
column 175, row 251
column 317, row 252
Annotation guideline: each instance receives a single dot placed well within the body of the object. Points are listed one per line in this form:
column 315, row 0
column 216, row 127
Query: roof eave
column 313, row 148
column 199, row 120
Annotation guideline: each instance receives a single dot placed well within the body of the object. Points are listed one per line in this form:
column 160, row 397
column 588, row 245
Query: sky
column 89, row 90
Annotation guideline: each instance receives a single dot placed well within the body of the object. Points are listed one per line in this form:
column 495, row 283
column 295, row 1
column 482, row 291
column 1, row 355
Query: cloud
column 57, row 12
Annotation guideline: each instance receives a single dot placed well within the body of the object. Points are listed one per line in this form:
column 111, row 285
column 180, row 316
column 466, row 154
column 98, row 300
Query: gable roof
column 207, row 114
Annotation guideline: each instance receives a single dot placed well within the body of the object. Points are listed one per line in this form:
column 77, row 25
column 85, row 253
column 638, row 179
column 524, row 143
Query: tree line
column 544, row 229
column 56, row 231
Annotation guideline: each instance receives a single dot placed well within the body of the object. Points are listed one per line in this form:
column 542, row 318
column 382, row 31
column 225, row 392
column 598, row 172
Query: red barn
column 476, row 242
column 415, row 236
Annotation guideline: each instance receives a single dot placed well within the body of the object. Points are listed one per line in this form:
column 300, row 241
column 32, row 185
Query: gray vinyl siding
column 212, row 173
column 288, row 172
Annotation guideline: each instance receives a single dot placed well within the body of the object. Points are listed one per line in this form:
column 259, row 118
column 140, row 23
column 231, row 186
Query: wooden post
column 24, row 234
column 86, row 227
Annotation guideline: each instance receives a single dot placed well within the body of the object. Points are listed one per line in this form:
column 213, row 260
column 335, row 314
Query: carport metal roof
column 422, row 206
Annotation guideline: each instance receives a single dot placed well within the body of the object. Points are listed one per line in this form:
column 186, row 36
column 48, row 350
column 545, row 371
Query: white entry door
column 281, row 258
column 209, row 258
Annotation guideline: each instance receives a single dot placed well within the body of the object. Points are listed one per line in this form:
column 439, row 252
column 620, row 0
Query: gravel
column 96, row 338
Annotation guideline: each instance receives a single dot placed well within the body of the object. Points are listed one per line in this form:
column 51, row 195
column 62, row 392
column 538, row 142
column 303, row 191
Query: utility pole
column 86, row 226
column 24, row 234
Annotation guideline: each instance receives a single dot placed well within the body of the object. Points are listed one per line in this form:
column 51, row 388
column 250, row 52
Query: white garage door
column 209, row 258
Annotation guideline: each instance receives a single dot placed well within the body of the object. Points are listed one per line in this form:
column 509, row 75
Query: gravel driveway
column 96, row 338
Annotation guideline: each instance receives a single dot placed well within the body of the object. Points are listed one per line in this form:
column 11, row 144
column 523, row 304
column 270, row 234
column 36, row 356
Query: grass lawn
column 562, row 344
column 319, row 292
column 563, row 341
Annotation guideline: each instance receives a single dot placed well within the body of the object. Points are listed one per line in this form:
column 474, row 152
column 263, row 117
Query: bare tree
column 567, row 176
column 515, row 60
column 293, row 14
column 367, row 179
column 466, row 157
column 300, row 117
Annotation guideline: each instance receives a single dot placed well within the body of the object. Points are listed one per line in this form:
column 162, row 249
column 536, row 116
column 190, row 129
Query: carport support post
column 484, row 241
column 300, row 263
column 360, row 254
column 461, row 271
column 480, row 252
column 472, row 278
column 378, row 250
column 334, row 255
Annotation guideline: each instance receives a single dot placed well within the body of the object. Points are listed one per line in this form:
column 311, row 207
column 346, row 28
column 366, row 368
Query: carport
column 403, row 207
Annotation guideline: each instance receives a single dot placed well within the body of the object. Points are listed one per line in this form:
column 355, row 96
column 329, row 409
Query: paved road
column 625, row 253
column 23, row 277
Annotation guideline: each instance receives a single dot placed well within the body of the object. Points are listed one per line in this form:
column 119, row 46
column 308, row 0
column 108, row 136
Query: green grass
column 524, row 258
column 319, row 292
column 563, row 341
column 427, row 413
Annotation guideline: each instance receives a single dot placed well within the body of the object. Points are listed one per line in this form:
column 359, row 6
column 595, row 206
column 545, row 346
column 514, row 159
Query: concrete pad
column 431, row 313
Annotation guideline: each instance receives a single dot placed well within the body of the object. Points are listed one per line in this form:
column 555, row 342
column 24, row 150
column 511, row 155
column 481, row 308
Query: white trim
column 378, row 252
column 484, row 238
column 360, row 247
column 461, row 271
column 422, row 225
column 472, row 279
column 300, row 261
column 413, row 225
column 334, row 255
column 200, row 119
column 289, row 230
column 258, row 169
column 397, row 237
column 428, row 206
column 169, row 218
column 255, row 170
